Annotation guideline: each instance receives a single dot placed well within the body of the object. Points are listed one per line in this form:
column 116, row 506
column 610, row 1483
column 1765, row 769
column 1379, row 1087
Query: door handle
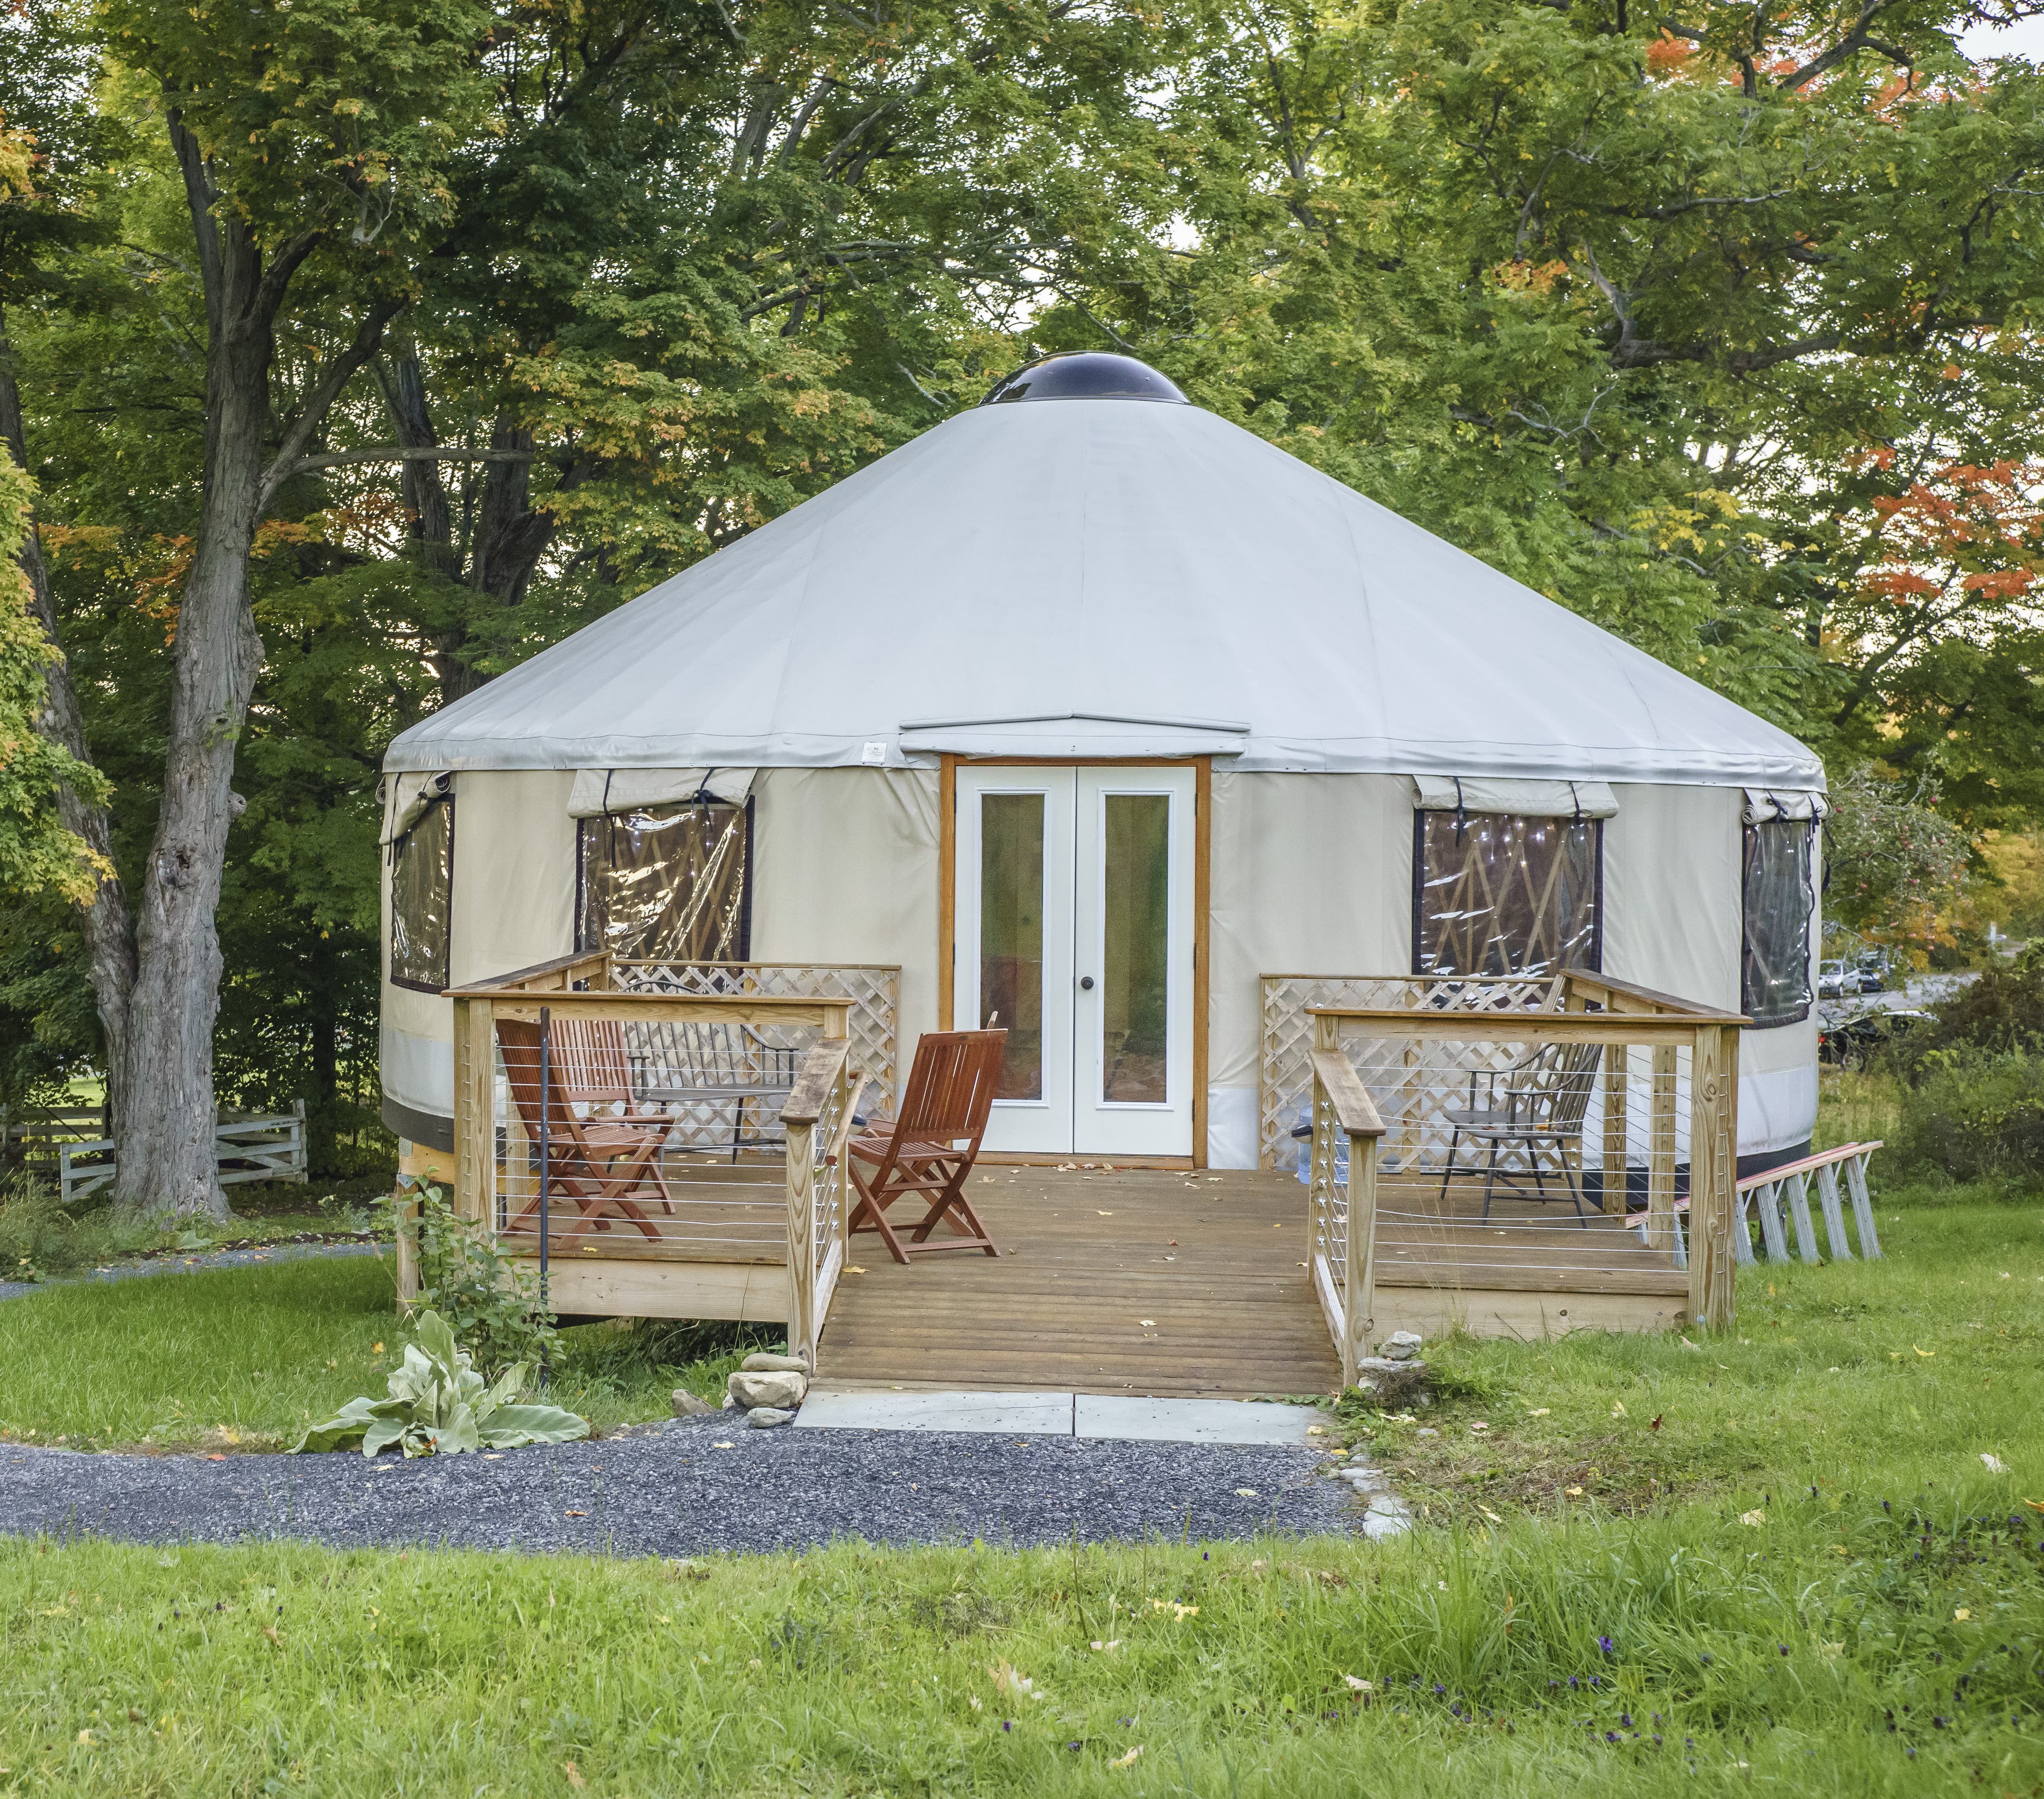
column 1085, row 981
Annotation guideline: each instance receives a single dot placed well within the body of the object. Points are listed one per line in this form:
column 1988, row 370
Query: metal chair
column 1538, row 1103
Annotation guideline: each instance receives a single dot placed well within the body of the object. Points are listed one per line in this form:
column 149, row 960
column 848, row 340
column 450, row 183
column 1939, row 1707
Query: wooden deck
column 1137, row 1281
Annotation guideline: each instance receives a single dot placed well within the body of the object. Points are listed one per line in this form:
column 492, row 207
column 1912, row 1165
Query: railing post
column 1660, row 1154
column 1359, row 1295
column 801, row 1239
column 1615, row 1158
column 1713, row 1166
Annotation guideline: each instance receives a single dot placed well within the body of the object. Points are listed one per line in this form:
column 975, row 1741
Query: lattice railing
column 1285, row 1070
column 873, row 991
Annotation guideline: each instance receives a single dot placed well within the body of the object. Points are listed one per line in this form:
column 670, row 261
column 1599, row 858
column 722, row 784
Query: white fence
column 266, row 1148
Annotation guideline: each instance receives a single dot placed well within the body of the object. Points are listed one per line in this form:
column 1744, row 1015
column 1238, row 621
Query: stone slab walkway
column 1118, row 1416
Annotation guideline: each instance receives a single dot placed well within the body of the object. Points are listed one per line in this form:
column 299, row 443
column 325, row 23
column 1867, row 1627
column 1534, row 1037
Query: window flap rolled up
column 600, row 791
column 1764, row 803
column 1524, row 799
column 406, row 798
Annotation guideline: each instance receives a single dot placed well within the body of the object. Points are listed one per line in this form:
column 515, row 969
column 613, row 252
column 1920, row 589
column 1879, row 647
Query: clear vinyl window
column 421, row 899
column 1774, row 952
column 1497, row 893
column 673, row 884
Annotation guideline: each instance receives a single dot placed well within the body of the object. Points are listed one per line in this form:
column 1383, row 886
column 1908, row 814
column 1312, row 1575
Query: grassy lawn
column 1852, row 1650
column 246, row 1358
column 1777, row 1558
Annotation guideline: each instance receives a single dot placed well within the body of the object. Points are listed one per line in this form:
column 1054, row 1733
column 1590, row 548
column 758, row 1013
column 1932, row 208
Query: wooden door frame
column 1202, row 767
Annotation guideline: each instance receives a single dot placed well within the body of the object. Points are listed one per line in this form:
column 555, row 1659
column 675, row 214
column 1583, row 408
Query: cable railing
column 582, row 1144
column 1543, row 1147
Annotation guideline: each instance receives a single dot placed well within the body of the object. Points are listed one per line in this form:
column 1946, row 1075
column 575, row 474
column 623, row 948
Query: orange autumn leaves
column 1961, row 530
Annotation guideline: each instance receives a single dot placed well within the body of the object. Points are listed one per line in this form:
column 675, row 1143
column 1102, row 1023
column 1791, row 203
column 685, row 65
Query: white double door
column 1074, row 932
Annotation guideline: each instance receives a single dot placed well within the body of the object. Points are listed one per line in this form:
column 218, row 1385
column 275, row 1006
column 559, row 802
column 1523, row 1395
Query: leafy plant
column 1972, row 1113
column 439, row 1405
column 490, row 1299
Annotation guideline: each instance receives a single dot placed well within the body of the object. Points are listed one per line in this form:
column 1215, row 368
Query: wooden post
column 1616, row 1160
column 801, row 1240
column 1361, row 1286
column 475, row 1131
column 1661, row 1156
column 1713, row 1171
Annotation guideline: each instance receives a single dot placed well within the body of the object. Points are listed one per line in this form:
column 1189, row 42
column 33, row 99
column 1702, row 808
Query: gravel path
column 186, row 1264
column 695, row 1487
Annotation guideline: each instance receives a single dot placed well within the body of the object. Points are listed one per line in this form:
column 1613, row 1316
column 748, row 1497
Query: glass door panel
column 1013, row 944
column 1011, row 935
column 1135, row 998
column 1133, row 903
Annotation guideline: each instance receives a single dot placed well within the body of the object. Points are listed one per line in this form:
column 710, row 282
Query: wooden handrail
column 1354, row 1111
column 518, row 980
column 1659, row 1002
column 813, row 1080
column 1822, row 1159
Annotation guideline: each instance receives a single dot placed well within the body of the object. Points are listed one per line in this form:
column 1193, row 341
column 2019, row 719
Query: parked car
column 1871, row 967
column 1831, row 978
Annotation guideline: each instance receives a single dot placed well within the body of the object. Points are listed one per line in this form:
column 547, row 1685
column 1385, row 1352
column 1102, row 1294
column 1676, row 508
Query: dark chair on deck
column 1536, row 1106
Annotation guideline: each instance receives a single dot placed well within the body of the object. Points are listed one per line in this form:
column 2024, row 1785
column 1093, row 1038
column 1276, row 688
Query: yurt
column 1091, row 713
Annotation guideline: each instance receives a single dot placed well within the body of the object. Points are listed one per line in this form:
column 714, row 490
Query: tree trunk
column 109, row 936
column 165, row 1146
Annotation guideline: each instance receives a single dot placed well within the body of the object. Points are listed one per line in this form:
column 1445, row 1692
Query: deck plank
column 1213, row 1262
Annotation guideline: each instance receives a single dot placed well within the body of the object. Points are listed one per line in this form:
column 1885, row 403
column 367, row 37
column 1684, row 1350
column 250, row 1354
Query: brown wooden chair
column 593, row 1066
column 605, row 1168
column 929, row 1150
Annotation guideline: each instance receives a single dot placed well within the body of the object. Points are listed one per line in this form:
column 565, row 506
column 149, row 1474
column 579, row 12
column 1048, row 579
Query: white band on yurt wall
column 1233, row 1121
column 1526, row 799
column 1765, row 803
column 406, row 798
column 598, row 791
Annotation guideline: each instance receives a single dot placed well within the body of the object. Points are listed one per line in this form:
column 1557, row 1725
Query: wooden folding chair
column 589, row 1059
column 604, row 1168
column 931, row 1148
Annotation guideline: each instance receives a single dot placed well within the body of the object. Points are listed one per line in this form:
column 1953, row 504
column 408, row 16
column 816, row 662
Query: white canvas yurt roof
column 1103, row 576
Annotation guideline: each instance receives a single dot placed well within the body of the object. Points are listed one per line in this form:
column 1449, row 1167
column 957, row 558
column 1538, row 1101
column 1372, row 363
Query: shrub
column 1973, row 1112
column 38, row 1237
column 490, row 1299
column 2001, row 1011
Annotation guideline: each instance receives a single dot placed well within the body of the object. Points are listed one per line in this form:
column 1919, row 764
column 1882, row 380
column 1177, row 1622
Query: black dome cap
column 1084, row 374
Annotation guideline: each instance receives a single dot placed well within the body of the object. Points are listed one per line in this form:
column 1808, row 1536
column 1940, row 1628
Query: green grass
column 244, row 1359
column 1845, row 1377
column 1774, row 1657
column 1807, row 1549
